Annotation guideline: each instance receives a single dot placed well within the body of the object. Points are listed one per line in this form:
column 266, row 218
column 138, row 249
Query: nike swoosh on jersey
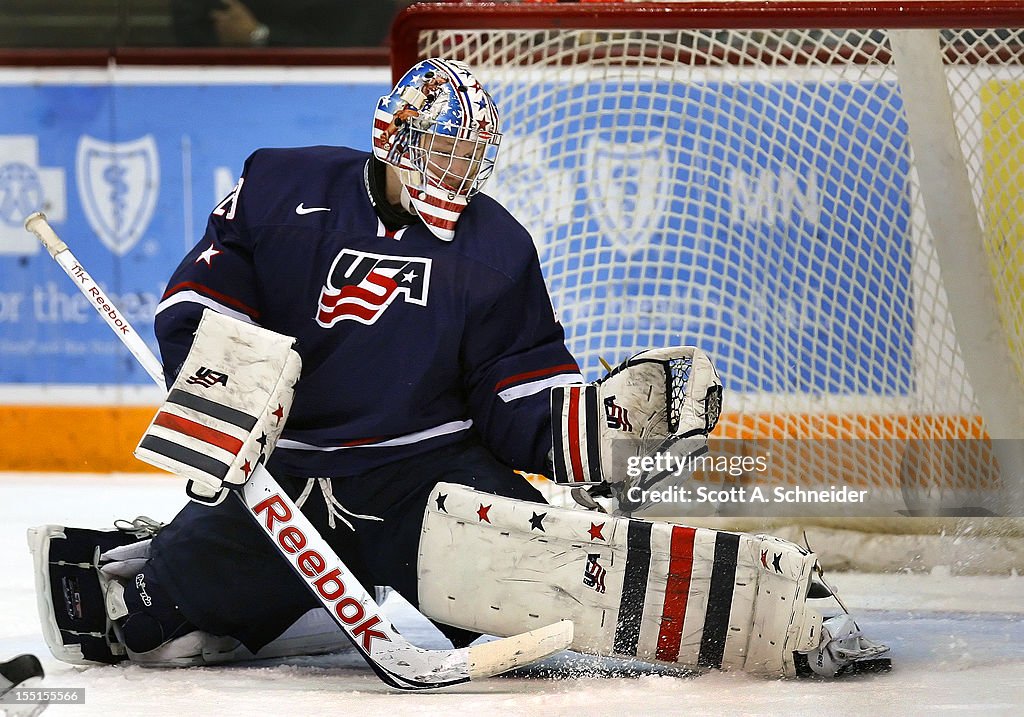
column 309, row 210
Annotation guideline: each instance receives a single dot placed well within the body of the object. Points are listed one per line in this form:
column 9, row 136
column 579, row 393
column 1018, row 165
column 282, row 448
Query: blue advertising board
column 767, row 222
column 127, row 174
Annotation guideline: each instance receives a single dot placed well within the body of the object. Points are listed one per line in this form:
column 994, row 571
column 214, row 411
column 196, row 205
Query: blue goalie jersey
column 408, row 343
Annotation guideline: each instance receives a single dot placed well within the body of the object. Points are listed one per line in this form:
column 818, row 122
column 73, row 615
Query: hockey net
column 826, row 197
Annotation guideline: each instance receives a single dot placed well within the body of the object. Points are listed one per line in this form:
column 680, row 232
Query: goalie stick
column 396, row 661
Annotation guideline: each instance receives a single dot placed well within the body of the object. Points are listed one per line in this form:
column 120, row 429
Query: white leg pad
column 659, row 592
column 80, row 596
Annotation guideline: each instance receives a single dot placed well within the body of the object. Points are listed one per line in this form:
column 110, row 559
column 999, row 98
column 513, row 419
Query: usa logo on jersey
column 361, row 286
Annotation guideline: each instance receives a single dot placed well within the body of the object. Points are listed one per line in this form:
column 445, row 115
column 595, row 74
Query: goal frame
column 959, row 240
column 989, row 544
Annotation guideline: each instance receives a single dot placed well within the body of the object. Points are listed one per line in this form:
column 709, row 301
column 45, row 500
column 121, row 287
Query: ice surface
column 958, row 646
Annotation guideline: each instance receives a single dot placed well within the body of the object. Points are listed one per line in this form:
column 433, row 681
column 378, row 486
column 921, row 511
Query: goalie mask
column 439, row 128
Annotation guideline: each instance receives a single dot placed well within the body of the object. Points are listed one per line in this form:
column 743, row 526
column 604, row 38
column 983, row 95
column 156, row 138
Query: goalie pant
column 217, row 568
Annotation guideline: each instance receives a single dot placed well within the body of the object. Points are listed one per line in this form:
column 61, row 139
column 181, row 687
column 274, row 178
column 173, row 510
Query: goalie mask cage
column 826, row 197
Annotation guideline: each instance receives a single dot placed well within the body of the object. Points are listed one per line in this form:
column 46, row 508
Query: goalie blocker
column 227, row 407
column 661, row 593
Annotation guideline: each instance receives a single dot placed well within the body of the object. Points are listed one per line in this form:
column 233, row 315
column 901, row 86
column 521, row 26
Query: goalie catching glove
column 663, row 401
column 227, row 406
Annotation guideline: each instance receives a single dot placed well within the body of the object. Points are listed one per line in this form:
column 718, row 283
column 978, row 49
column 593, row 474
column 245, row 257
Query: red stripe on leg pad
column 677, row 590
column 198, row 431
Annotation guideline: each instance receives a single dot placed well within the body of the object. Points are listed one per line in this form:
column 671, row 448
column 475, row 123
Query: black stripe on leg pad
column 716, row 618
column 181, row 454
column 634, row 587
column 212, row 408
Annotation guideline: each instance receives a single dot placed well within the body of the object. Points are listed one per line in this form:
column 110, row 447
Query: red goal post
column 825, row 196
column 419, row 20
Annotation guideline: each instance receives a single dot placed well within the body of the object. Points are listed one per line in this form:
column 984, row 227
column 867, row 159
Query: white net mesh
column 754, row 193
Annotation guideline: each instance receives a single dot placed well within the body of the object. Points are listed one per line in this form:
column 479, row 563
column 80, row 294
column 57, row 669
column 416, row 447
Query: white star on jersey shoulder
column 208, row 255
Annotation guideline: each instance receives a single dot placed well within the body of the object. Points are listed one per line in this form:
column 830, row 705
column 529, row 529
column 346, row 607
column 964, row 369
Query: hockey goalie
column 377, row 333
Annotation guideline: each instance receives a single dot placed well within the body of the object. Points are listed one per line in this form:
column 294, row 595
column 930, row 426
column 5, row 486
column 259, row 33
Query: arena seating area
column 85, row 23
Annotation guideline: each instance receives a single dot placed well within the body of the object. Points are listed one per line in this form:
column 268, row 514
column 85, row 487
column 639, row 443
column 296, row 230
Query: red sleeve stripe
column 215, row 295
column 539, row 373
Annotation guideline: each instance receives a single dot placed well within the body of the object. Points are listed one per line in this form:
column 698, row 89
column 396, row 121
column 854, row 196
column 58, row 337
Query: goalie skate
column 843, row 651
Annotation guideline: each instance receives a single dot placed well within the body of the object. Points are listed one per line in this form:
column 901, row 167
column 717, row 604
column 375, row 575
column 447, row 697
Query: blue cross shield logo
column 628, row 187
column 26, row 187
column 118, row 184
